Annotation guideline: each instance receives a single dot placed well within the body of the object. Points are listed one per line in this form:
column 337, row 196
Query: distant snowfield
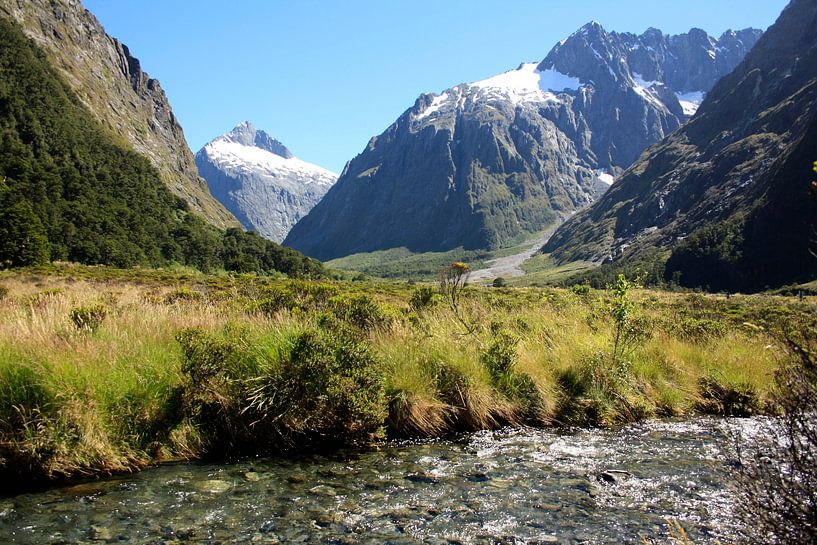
column 605, row 177
column 233, row 155
column 690, row 101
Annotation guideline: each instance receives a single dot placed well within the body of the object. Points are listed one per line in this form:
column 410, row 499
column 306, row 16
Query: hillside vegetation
column 104, row 370
column 68, row 192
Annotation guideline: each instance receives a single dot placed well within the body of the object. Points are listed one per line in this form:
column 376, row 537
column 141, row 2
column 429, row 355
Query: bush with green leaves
column 501, row 355
column 320, row 389
column 88, row 318
column 596, row 393
column 302, row 295
column 629, row 328
column 422, row 298
column 698, row 329
column 28, row 424
column 359, row 311
column 328, row 390
column 580, row 289
column 722, row 397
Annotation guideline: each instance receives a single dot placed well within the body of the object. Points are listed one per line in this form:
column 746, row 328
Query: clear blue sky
column 324, row 76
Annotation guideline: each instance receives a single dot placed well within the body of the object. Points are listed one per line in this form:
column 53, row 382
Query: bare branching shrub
column 778, row 467
column 453, row 280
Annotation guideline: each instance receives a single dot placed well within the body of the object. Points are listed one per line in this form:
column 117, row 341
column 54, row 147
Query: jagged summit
column 260, row 181
column 482, row 163
column 247, row 135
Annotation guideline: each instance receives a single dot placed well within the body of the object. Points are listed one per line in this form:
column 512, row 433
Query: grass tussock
column 102, row 373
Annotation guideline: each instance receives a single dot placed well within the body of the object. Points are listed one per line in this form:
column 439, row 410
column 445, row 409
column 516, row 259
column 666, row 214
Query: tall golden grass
column 77, row 402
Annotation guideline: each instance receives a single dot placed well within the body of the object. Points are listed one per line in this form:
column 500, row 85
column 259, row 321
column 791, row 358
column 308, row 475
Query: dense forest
column 70, row 192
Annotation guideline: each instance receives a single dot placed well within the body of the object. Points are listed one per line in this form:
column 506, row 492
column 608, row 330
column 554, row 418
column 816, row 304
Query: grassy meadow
column 105, row 371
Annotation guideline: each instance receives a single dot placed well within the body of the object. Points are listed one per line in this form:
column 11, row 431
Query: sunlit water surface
column 510, row 486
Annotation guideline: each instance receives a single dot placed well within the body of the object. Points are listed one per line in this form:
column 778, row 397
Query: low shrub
column 296, row 294
column 422, row 298
column 88, row 318
column 500, row 355
column 598, row 392
column 450, row 382
column 27, row 411
column 580, row 289
column 697, row 330
column 359, row 311
column 329, row 390
column 182, row 295
column 44, row 297
column 325, row 389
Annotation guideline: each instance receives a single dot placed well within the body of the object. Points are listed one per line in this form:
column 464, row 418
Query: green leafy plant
column 183, row 294
column 626, row 329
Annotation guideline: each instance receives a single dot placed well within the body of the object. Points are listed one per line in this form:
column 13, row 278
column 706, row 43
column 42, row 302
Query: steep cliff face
column 482, row 163
column 112, row 85
column 259, row 180
column 727, row 195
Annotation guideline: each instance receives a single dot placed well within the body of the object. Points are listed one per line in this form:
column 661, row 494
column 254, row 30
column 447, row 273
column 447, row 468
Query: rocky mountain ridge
column 481, row 164
column 259, row 180
column 111, row 83
column 725, row 198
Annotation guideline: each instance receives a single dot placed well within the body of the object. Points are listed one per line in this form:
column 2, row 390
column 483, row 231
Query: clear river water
column 508, row 486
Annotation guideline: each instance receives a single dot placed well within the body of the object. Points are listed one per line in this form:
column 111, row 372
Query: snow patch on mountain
column 605, row 177
column 527, row 84
column 690, row 101
column 239, row 158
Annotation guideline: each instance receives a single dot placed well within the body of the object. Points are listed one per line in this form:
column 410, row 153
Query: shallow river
column 510, row 486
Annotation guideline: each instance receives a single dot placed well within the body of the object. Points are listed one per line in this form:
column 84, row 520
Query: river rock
column 213, row 486
column 613, row 476
column 100, row 533
column 323, row 490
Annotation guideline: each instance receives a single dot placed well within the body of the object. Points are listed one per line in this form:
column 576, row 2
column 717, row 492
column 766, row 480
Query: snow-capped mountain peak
column 260, row 181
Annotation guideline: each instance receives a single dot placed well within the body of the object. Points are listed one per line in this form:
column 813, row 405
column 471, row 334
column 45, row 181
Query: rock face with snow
column 724, row 201
column 482, row 163
column 260, row 181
